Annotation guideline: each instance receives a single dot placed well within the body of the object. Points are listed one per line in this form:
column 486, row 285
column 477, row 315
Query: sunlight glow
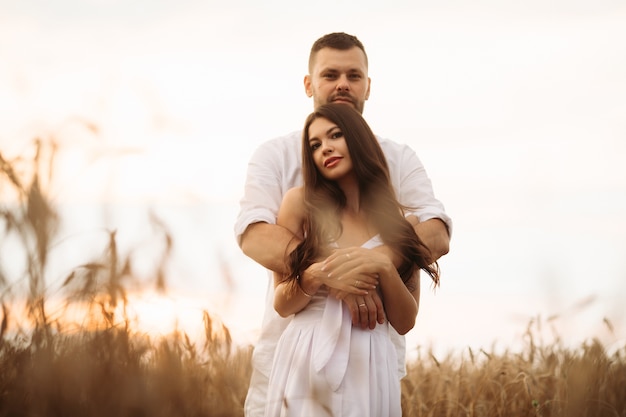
column 160, row 314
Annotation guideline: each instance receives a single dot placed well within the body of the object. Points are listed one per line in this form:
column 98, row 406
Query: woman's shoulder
column 295, row 192
column 294, row 197
column 292, row 211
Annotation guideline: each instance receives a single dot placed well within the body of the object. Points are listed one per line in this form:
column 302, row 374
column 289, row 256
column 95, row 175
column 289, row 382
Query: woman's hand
column 341, row 278
column 358, row 267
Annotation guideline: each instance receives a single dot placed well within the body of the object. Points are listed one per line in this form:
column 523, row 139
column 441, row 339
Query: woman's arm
column 401, row 300
column 290, row 298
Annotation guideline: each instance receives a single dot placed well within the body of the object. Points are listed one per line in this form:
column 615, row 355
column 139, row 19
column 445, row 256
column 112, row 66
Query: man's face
column 338, row 76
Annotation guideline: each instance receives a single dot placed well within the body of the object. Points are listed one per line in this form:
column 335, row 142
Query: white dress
column 323, row 366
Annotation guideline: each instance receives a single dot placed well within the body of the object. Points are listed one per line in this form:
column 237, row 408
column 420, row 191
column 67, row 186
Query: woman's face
column 329, row 149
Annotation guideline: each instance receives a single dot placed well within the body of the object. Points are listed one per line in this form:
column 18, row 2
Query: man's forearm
column 268, row 245
column 434, row 234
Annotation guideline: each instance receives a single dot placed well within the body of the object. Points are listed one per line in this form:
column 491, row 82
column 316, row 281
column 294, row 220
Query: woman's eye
column 336, row 135
column 315, row 146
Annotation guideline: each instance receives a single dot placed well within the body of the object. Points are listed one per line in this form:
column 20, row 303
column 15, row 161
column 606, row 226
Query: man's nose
column 342, row 83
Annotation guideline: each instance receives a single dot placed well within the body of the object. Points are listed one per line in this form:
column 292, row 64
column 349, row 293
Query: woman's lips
column 331, row 162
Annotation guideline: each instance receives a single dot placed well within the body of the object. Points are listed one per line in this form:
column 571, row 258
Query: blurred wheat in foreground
column 103, row 366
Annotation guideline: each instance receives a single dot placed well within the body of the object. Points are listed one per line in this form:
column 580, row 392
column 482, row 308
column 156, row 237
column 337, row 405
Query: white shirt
column 274, row 168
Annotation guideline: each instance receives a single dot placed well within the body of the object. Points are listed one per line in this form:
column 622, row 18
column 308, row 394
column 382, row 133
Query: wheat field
column 105, row 366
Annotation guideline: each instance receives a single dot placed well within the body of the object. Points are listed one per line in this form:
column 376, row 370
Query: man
column 338, row 72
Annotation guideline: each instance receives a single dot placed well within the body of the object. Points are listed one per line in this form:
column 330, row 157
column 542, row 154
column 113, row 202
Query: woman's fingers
column 360, row 265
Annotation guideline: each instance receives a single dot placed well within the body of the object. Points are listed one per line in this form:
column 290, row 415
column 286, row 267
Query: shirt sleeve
column 415, row 189
column 262, row 193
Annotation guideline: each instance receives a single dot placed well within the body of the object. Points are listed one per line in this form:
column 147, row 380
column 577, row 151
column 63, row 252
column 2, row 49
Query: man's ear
column 307, row 86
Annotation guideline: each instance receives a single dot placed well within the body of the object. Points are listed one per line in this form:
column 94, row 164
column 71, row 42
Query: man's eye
column 330, row 76
column 355, row 77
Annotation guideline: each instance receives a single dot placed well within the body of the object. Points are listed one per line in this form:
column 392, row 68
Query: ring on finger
column 357, row 283
column 362, row 305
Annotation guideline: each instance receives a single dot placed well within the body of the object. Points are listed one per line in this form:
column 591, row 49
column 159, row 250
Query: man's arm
column 257, row 234
column 268, row 244
column 415, row 191
column 434, row 234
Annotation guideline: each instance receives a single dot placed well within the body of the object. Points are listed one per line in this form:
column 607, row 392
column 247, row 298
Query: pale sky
column 515, row 108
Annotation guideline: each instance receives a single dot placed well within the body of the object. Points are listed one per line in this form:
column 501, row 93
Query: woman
column 323, row 365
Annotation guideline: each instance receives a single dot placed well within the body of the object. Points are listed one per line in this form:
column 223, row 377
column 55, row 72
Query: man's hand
column 366, row 310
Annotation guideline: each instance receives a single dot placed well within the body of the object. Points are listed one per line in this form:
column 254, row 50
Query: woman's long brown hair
column 324, row 199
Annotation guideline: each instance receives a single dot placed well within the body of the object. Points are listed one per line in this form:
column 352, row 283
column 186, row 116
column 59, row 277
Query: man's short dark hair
column 336, row 40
